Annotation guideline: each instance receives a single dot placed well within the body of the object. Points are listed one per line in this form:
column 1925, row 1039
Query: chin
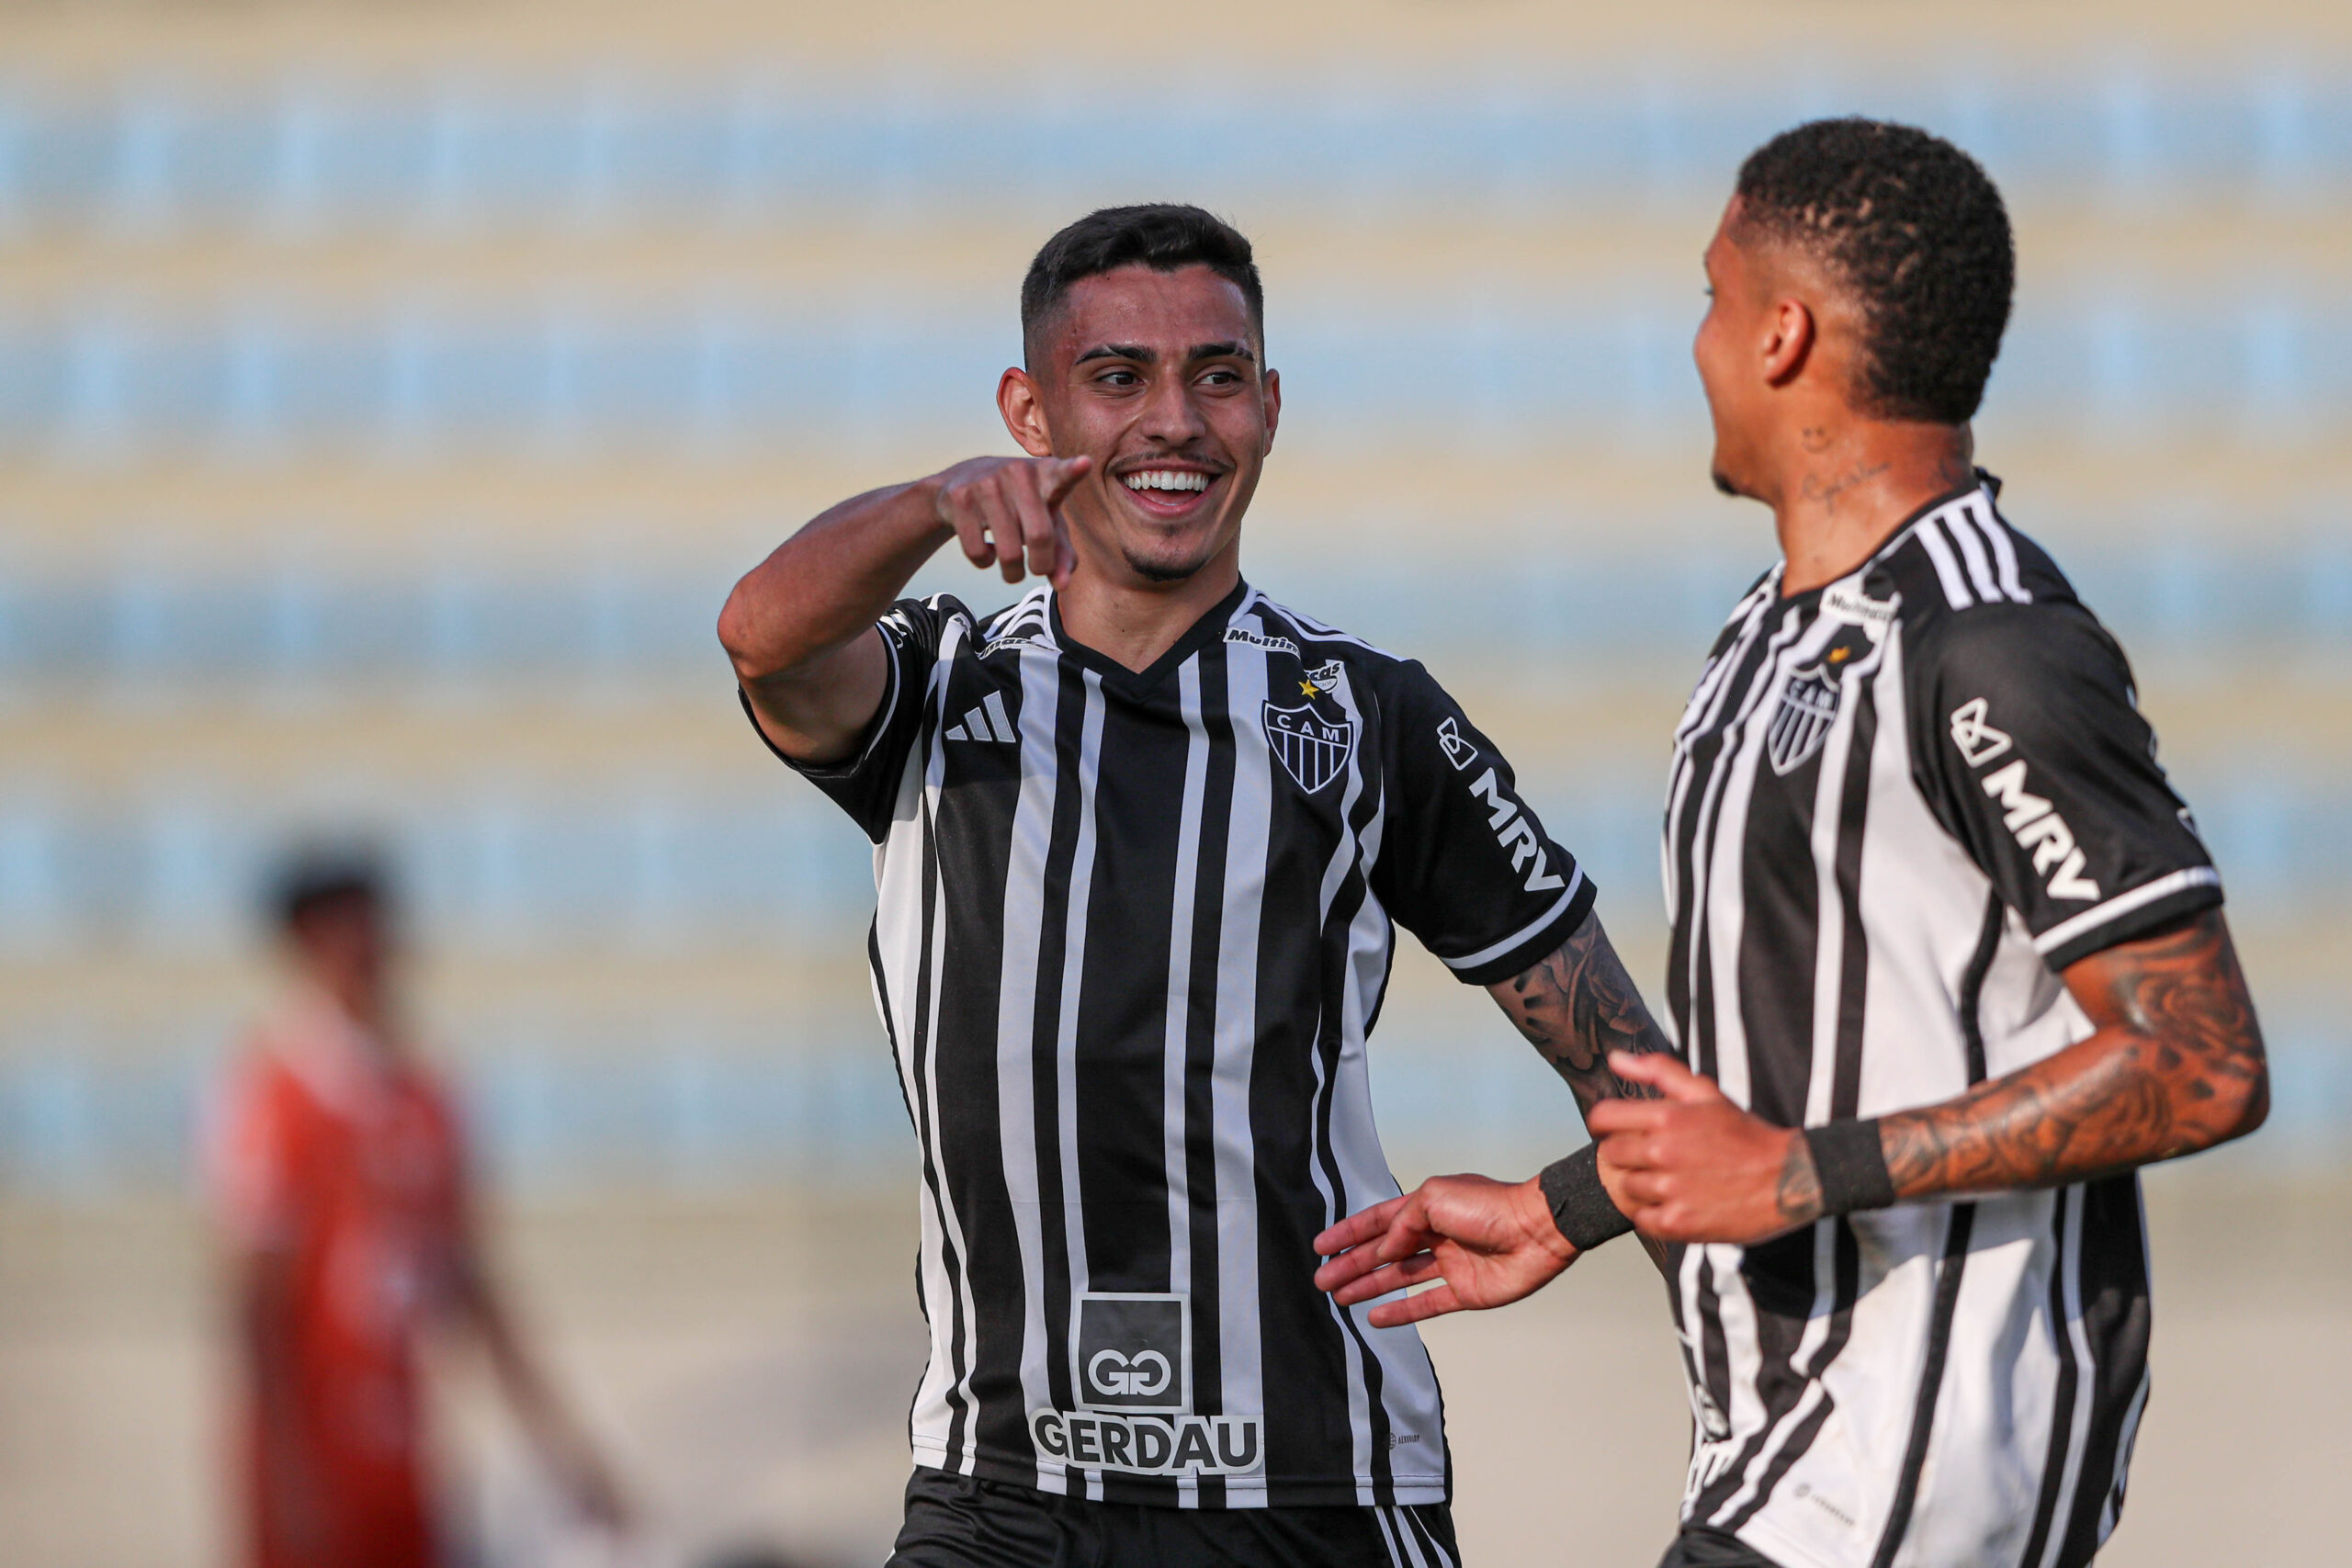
column 1163, row 570
column 1167, row 560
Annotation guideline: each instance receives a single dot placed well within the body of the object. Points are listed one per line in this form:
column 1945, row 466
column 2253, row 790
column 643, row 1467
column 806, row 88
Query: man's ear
column 1790, row 342
column 1273, row 405
column 1024, row 412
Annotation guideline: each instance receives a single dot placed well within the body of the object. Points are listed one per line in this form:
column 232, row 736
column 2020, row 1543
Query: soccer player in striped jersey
column 1140, row 839
column 1948, row 962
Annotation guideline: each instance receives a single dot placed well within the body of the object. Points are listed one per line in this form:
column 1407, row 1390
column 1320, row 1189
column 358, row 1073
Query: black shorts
column 1712, row 1549
column 954, row 1521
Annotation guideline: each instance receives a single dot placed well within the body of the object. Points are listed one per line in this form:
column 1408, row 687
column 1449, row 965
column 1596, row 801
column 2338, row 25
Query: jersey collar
column 1138, row 683
column 1988, row 483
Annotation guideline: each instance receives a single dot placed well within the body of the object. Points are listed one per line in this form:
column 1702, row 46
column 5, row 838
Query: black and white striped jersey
column 1900, row 805
column 1132, row 932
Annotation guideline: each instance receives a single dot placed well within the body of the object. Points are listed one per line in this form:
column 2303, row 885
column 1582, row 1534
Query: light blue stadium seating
column 323, row 154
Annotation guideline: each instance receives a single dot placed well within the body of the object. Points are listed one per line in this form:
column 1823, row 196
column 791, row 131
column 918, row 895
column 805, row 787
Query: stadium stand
column 375, row 446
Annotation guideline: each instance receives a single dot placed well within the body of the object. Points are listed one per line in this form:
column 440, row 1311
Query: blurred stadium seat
column 297, row 369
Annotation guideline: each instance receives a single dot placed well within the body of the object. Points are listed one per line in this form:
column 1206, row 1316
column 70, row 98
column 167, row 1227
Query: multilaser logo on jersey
column 1132, row 1370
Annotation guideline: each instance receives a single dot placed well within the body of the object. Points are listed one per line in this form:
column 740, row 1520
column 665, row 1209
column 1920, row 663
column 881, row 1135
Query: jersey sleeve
column 1463, row 864
column 866, row 784
column 2030, row 749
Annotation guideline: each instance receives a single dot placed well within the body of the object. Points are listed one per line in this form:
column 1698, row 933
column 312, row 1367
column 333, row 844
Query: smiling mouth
column 1168, row 492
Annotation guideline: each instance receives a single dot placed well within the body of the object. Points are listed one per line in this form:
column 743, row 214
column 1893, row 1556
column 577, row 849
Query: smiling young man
column 1140, row 840
column 1948, row 961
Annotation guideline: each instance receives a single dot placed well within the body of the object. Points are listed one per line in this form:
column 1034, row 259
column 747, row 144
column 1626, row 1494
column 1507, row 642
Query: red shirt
column 347, row 1162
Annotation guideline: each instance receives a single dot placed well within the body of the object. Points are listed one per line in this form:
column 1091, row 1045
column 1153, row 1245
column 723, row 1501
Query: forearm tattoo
column 1577, row 1005
column 2177, row 1066
column 1798, row 1192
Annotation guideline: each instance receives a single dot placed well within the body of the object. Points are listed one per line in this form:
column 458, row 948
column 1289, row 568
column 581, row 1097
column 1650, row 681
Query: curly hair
column 1163, row 236
column 1914, row 228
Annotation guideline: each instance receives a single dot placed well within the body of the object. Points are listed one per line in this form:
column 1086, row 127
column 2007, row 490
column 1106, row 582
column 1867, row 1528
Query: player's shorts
column 955, row 1521
column 1712, row 1549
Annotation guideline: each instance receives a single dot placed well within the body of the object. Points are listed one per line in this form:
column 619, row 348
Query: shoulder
column 940, row 622
column 1027, row 619
column 1975, row 596
column 1279, row 628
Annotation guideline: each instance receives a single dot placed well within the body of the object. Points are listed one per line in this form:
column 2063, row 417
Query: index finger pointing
column 1040, row 539
column 1057, row 476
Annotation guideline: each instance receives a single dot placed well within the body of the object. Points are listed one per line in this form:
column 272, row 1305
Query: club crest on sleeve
column 1313, row 739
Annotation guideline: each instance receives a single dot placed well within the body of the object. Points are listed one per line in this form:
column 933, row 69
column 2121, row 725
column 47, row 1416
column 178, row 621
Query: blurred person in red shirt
column 341, row 1170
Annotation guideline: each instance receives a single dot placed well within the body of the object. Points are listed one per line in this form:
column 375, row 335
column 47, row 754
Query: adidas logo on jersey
column 987, row 722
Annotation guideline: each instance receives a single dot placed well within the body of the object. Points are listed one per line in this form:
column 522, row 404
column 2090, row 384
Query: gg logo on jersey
column 1112, row 1373
column 1129, row 1350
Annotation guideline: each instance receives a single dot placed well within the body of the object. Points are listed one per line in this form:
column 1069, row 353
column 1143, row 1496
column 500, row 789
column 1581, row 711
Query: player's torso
column 379, row 1179
column 370, row 1179
column 1128, row 947
column 1836, row 952
column 1222, row 818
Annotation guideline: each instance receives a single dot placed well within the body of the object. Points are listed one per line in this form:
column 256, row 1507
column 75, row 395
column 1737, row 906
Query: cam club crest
column 1808, row 707
column 1313, row 739
column 1808, row 710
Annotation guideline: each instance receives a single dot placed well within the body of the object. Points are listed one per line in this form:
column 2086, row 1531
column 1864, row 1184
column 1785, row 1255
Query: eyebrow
column 1228, row 349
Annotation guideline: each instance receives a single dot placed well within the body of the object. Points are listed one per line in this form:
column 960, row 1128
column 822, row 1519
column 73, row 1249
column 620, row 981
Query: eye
column 1119, row 376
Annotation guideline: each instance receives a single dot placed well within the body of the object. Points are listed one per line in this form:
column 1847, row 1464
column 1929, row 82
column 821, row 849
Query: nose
column 1172, row 415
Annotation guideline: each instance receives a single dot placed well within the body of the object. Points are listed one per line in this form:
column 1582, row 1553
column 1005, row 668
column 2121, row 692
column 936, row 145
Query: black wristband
column 1581, row 1207
column 1850, row 1167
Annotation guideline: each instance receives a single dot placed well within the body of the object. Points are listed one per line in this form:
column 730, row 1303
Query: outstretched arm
column 800, row 626
column 2176, row 1064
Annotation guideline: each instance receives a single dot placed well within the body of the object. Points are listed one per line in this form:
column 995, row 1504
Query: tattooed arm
column 1479, row 1243
column 2174, row 1066
column 1577, row 1005
column 2177, row 1066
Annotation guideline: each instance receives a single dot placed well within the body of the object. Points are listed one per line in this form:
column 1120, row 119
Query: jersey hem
column 1787, row 1552
column 1516, row 954
column 1156, row 1491
column 2128, row 915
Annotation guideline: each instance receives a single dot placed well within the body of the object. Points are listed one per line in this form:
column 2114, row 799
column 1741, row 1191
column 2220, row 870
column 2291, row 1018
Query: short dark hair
column 1163, row 236
column 1916, row 229
column 314, row 876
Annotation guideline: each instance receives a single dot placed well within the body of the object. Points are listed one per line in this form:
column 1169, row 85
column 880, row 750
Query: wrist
column 1850, row 1166
column 1535, row 1213
column 1581, row 1210
column 929, row 495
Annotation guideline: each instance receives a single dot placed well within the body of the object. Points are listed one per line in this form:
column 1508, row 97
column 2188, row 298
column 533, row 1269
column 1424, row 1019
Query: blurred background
column 390, row 390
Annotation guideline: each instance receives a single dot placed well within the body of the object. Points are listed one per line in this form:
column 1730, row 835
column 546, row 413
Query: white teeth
column 1167, row 479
